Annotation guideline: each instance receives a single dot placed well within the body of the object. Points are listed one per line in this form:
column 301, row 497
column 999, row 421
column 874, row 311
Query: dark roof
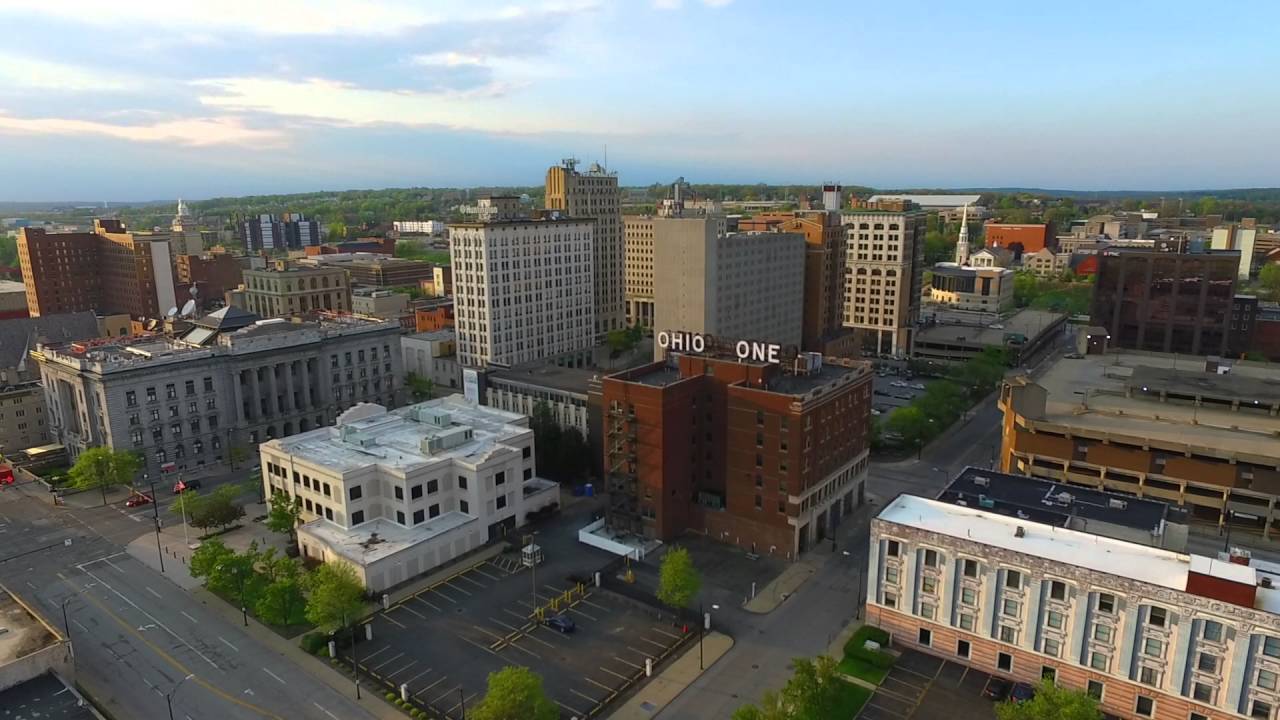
column 19, row 335
column 1228, row 387
column 1043, row 500
column 44, row 697
column 564, row 379
column 228, row 318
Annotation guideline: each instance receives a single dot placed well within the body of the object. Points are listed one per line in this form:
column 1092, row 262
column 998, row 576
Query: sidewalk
column 780, row 588
column 655, row 695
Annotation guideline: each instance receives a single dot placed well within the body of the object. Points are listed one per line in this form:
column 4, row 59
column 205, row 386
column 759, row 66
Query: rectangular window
column 1094, row 690
column 357, row 517
column 1011, row 608
column 399, row 492
column 1266, row 679
column 966, row 621
column 356, row 492
column 1208, row 663
column 1004, row 661
column 1054, row 620
column 928, row 584
column 968, row 596
column 1057, row 590
column 328, row 513
column 326, row 489
column 924, row 637
column 415, row 492
column 962, row 648
column 417, row 517
column 433, row 486
column 525, row 452
column 1157, row 616
column 928, row 611
column 931, row 558
column 892, row 548
column 891, row 574
column 970, row 568
column 1048, row 672
column 1212, row 631
column 400, row 516
column 890, row 600
column 502, row 501
column 1102, row 633
column 1271, row 647
column 1106, row 602
column 528, row 473
column 1098, row 661
column 1149, row 676
column 1051, row 647
column 1153, row 647
column 1197, row 716
column 1202, row 692
column 1013, row 579
column 462, row 483
column 1260, row 709
column 499, row 478
column 1008, row 635
column 434, row 510
column 463, row 506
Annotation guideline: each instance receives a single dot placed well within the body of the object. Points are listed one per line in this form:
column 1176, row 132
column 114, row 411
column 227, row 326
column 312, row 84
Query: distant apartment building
column 1018, row 238
column 769, row 457
column 566, row 391
column 885, row 271
column 373, row 302
column 440, row 284
column 375, row 269
column 108, row 270
column 397, row 493
column 825, row 263
column 419, row 227
column 641, row 232
column 212, row 275
column 1240, row 237
column 291, row 231
column 286, row 289
column 523, row 287
column 1046, row 263
column 1147, row 632
column 976, row 289
column 232, row 380
column 433, row 355
column 594, row 194
column 13, row 300
column 742, row 286
column 1165, row 301
column 1157, row 426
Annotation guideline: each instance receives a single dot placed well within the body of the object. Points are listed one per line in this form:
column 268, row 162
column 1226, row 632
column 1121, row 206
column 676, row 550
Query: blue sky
column 138, row 99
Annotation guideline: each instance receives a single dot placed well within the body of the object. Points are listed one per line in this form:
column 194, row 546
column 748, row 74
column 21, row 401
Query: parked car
column 1073, row 356
column 875, row 411
column 138, row 499
column 184, row 485
column 1021, row 692
column 997, row 689
column 918, row 386
column 561, row 622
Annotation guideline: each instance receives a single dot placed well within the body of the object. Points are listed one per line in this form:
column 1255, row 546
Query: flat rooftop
column 381, row 538
column 1089, row 394
column 44, row 697
column 1028, row 322
column 1151, row 565
column 783, row 383
column 951, row 201
column 1050, row 502
column 25, row 633
column 1232, row 386
column 394, row 439
column 573, row 380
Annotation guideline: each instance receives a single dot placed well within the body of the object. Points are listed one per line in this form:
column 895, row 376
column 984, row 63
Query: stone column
column 274, row 391
column 255, row 391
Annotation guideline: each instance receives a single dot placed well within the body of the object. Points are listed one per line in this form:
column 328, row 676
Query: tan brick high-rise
column 594, row 194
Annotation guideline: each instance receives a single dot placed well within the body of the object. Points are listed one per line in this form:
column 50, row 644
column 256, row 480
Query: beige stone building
column 285, row 290
column 640, row 232
column 743, row 286
column 375, row 302
column 1046, row 263
column 979, row 289
column 885, row 261
column 595, row 195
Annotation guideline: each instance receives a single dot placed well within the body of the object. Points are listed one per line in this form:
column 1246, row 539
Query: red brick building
column 212, row 274
column 433, row 315
column 767, row 456
column 1018, row 238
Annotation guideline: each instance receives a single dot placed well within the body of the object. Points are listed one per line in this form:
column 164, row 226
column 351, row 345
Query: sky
column 134, row 100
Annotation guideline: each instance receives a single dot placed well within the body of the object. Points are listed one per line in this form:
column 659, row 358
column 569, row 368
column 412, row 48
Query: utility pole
column 155, row 514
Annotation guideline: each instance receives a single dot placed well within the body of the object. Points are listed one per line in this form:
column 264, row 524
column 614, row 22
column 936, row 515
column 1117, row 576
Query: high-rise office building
column 522, row 286
column 595, row 195
column 885, row 263
column 291, row 231
column 109, row 270
column 641, row 233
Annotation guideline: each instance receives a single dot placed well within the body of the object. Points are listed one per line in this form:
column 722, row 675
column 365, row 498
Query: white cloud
column 448, row 59
column 677, row 4
column 487, row 110
column 280, row 17
column 28, row 72
column 194, row 132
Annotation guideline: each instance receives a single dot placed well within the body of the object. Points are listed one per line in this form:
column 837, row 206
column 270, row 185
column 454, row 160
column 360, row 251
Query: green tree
column 678, row 579
column 8, row 251
column 812, row 689
column 547, row 436
column 515, row 693
column 912, row 425
column 336, row 596
column 219, row 567
column 1026, row 287
column 283, row 515
column 101, row 468
column 1269, row 280
column 420, row 387
column 217, row 509
column 237, row 454
column 771, row 707
column 1051, row 703
column 337, row 231
column 281, row 602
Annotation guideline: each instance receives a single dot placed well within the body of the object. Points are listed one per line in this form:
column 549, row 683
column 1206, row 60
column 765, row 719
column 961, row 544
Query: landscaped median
column 863, row 663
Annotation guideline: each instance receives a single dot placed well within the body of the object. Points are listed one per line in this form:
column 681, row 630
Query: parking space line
column 418, row 597
column 406, row 608
column 446, row 694
column 554, row 590
column 589, row 617
column 427, row 688
column 594, row 605
column 572, row 710
column 655, row 642
column 390, row 675
column 392, row 620
column 477, row 569
column 379, row 651
column 449, row 584
column 514, row 614
column 388, row 662
column 463, row 701
column 525, row 603
column 660, row 631
column 450, row 598
column 627, row 663
column 620, row 676
column 598, row 684
column 477, row 583
column 415, row 677
column 469, row 641
column 521, row 648
column 586, row 697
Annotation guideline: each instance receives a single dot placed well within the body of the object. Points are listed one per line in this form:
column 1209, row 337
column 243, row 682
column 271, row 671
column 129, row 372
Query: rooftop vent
column 1265, row 581
column 986, row 502
column 982, row 481
column 1064, row 498
column 1020, row 532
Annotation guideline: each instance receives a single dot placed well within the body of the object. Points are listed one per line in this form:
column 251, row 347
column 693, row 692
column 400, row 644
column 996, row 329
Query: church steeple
column 962, row 246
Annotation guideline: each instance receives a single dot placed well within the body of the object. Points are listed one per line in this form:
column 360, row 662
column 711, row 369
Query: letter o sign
column 664, row 339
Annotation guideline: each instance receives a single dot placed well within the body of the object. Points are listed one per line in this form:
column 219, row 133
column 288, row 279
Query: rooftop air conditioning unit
column 1117, row 504
column 982, row 481
column 1020, row 532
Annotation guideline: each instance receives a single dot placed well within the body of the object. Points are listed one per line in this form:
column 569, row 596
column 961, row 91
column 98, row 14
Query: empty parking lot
column 924, row 687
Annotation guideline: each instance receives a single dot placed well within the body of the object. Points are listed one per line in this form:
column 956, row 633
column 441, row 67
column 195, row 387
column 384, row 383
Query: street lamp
column 704, row 626
column 244, row 611
column 66, row 624
column 355, row 656
column 155, row 515
column 168, row 697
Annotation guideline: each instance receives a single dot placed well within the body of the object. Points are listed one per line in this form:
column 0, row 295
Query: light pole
column 168, row 697
column 66, row 623
column 155, row 515
column 355, row 656
column 244, row 611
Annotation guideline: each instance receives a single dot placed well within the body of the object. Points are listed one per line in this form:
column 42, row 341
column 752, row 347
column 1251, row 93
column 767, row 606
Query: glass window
column 1012, row 579
column 502, row 501
column 924, row 636
column 970, row 568
column 1212, row 631
column 1266, row 679
column 1260, row 709
column 891, row 574
column 1004, row 661
column 415, row 492
column 931, row 558
column 1202, row 692
column 890, row 600
column 1094, row 690
column 400, row 516
column 1153, row 647
column 892, row 548
column 1102, row 633
column 463, row 506
column 968, row 596
column 962, row 648
column 418, row 517
column 1106, row 602
column 399, row 492
column 1008, row 634
column 1149, row 676
column 966, row 621
column 357, row 517
column 1207, row 663
column 928, row 584
column 1271, row 647
column 1051, row 647
column 433, row 486
column 462, row 483
column 1098, row 661
column 1158, row 616
column 1057, row 590
column 1011, row 607
column 356, row 492
column 1054, row 620
column 434, row 510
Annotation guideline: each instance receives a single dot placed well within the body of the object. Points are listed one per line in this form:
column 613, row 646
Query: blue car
column 561, row 622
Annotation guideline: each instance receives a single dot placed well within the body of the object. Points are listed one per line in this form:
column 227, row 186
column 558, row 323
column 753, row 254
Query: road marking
column 627, row 662
column 427, row 688
column 185, row 615
column 469, row 641
column 620, row 676
column 324, row 710
column 408, row 609
column 379, row 651
column 33, row 587
column 446, row 694
column 660, row 631
column 228, row 644
column 151, row 617
column 598, row 607
column 584, row 696
column 654, row 642
column 277, row 677
column 114, row 566
column 477, row 583
column 436, row 590
column 448, row 584
column 392, row 674
column 477, row 569
column 415, row 677
column 572, row 710
column 392, row 620
column 97, row 560
column 153, row 592
column 589, row 617
column 424, row 602
column 463, row 701
column 598, row 684
column 387, row 662
column 80, row 625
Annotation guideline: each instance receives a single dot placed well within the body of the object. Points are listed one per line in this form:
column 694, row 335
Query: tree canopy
column 515, row 693
column 336, row 596
column 810, row 694
column 678, row 579
column 1051, row 703
column 562, row 454
column 100, row 468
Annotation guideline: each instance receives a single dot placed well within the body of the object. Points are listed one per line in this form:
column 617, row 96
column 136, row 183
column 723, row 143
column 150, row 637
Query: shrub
column 876, row 658
column 391, row 697
column 313, row 643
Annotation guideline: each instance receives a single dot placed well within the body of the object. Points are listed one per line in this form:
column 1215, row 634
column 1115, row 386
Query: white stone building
column 395, row 494
column 523, row 288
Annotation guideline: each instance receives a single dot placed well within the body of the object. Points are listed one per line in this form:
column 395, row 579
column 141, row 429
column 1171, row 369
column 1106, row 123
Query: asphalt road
column 137, row 635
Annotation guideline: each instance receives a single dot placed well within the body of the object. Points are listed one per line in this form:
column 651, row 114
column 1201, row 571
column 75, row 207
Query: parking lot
column 445, row 640
column 924, row 687
column 886, row 397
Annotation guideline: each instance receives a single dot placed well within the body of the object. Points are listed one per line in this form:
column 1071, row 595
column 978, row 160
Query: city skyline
column 228, row 98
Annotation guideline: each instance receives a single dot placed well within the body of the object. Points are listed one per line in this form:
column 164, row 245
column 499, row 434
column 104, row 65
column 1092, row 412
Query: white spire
column 962, row 246
column 182, row 218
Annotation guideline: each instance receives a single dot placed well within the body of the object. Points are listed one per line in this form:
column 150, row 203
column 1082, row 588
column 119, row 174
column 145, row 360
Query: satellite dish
column 195, row 291
column 172, row 311
column 188, row 308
